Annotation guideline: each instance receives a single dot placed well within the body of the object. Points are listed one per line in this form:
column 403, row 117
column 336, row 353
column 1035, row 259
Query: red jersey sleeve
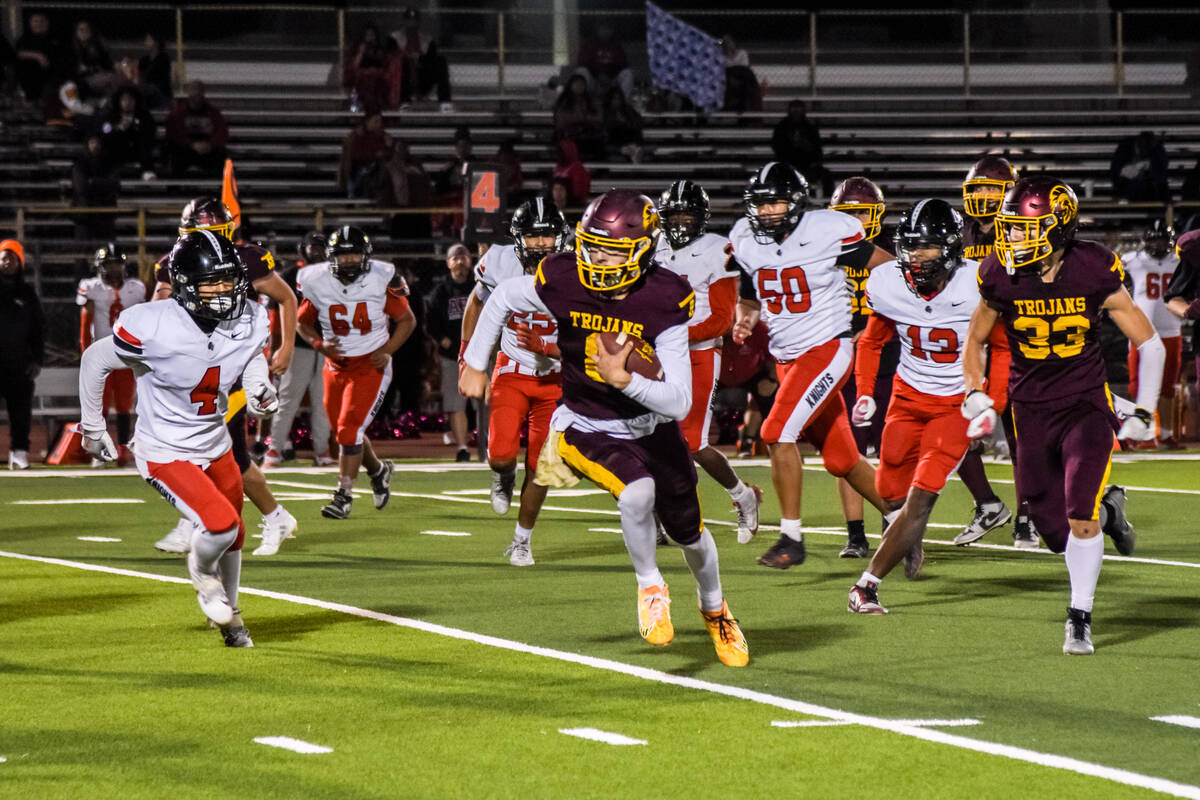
column 307, row 315
column 396, row 305
column 1001, row 358
column 879, row 331
column 722, row 297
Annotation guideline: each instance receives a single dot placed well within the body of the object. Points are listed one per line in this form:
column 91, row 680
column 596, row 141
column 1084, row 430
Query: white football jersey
column 932, row 332
column 703, row 262
column 800, row 282
column 1150, row 277
column 107, row 302
column 184, row 376
column 499, row 264
column 353, row 313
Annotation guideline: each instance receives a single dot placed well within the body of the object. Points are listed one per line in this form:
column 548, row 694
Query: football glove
column 1137, row 427
column 100, row 445
column 864, row 410
column 262, row 402
column 532, row 341
column 977, row 408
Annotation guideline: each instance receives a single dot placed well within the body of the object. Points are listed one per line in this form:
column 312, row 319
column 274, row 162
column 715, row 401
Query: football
column 642, row 360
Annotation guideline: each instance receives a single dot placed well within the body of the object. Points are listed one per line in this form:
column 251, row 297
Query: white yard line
column 96, row 539
column 444, row 533
column 1121, row 776
column 1179, row 719
column 295, row 745
column 79, row 501
column 916, row 723
column 600, row 736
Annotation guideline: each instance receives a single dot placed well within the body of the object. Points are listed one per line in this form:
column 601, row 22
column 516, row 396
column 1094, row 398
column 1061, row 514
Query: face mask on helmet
column 532, row 247
column 112, row 271
column 1021, row 241
column 219, row 295
column 982, row 196
column 207, row 219
column 1158, row 241
column 681, row 226
column 606, row 265
column 347, row 267
column 926, row 265
column 869, row 214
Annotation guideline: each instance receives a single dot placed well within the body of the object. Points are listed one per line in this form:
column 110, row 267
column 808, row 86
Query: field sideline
column 961, row 689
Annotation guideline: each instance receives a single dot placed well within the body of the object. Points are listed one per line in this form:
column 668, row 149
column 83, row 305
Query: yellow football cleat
column 727, row 637
column 654, row 615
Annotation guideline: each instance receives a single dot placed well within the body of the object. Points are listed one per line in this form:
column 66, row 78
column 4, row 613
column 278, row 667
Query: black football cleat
column 865, row 600
column 1078, row 641
column 1025, row 535
column 856, row 547
column 339, row 506
column 1118, row 528
column 236, row 636
column 786, row 552
column 381, row 483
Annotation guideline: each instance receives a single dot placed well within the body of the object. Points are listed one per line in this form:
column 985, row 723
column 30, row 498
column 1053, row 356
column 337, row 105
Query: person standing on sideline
column 443, row 322
column 22, row 349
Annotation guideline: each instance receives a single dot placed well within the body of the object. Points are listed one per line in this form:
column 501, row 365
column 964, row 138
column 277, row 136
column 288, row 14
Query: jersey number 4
column 206, row 392
column 784, row 288
column 341, row 327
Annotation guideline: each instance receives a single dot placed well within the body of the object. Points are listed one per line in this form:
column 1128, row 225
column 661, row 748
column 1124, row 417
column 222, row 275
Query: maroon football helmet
column 1039, row 216
column 985, row 185
column 860, row 196
column 619, row 222
column 207, row 214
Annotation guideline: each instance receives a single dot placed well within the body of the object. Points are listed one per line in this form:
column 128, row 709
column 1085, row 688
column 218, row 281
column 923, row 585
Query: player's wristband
column 462, row 348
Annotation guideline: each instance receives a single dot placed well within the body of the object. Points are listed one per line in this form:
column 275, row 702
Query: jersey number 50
column 784, row 288
column 360, row 320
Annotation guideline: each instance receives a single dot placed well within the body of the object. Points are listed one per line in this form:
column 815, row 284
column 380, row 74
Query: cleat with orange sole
column 654, row 615
column 727, row 637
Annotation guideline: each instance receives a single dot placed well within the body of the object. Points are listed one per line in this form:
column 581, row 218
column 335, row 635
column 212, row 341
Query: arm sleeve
column 256, row 374
column 307, row 314
column 85, row 329
column 1000, row 358
column 722, row 297
column 515, row 295
column 1151, row 357
column 879, row 331
column 1183, row 282
column 746, row 289
column 98, row 360
column 396, row 305
column 857, row 255
column 672, row 396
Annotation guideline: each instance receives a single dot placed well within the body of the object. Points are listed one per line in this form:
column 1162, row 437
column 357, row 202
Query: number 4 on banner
column 484, row 196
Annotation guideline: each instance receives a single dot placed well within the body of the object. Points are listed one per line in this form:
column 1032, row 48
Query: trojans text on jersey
column 603, row 322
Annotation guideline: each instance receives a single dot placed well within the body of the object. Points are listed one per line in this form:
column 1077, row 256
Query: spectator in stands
column 450, row 177
column 443, row 323
column 742, row 92
column 603, row 62
column 578, row 117
column 407, row 186
column 559, row 190
column 424, row 67
column 21, row 349
column 569, row 167
column 154, row 72
column 1139, row 169
column 511, row 172
column 40, row 59
column 373, row 72
column 196, row 134
column 797, row 141
column 93, row 68
column 622, row 126
column 362, row 171
column 95, row 182
column 127, row 132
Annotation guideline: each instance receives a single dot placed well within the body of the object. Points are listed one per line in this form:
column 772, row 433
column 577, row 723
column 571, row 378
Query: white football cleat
column 210, row 593
column 273, row 534
column 747, row 514
column 519, row 554
column 179, row 540
column 18, row 459
column 502, row 491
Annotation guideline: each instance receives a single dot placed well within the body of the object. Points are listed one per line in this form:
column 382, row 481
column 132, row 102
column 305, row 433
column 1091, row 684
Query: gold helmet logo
column 650, row 218
column 1063, row 204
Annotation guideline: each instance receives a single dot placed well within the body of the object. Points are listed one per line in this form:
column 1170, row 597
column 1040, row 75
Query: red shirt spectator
column 572, row 169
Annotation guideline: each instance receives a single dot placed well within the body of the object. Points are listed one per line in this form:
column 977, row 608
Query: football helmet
column 1039, row 216
column 207, row 214
column 348, row 250
column 684, row 209
column 109, row 264
column 985, row 185
column 1158, row 239
column 538, row 218
column 929, row 225
column 859, row 195
column 311, row 249
column 621, row 224
column 775, row 183
column 208, row 277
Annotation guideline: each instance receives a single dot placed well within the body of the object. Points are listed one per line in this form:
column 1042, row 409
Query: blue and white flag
column 685, row 59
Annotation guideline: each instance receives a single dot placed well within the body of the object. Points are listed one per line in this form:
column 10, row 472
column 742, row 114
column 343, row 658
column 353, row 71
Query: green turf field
column 432, row 668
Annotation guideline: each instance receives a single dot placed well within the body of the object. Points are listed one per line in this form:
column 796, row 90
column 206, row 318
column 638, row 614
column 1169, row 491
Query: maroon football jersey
column 661, row 300
column 977, row 243
column 258, row 260
column 1053, row 328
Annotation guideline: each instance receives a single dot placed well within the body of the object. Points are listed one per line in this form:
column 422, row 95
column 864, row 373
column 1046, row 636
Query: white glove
column 864, row 409
column 1137, row 427
column 978, row 408
column 263, row 402
column 100, row 445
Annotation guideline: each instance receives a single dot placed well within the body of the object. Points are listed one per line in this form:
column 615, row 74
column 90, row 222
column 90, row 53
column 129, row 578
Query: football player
column 101, row 299
column 1183, row 293
column 793, row 276
column 615, row 427
column 188, row 355
column 1048, row 289
column 861, row 198
column 925, row 299
column 352, row 297
column 210, row 214
column 527, row 380
column 983, row 190
column 705, row 260
column 1150, row 270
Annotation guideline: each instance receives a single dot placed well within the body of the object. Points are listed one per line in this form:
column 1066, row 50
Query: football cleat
column 654, row 615
column 865, row 600
column 179, row 540
column 339, row 506
column 988, row 517
column 1025, row 535
column 856, row 547
column 273, row 534
column 747, row 513
column 727, row 637
column 502, row 490
column 236, row 636
column 519, row 553
column 914, row 559
column 18, row 459
column 273, row 458
column 210, row 593
column 381, row 483
column 1078, row 641
column 323, row 460
column 1118, row 527
column 784, row 553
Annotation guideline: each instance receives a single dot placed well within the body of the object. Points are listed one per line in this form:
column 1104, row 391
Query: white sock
column 868, row 579
column 209, row 546
column 1084, row 557
column 522, row 534
column 701, row 557
column 231, row 574
column 739, row 490
column 345, row 483
column 277, row 515
column 791, row 529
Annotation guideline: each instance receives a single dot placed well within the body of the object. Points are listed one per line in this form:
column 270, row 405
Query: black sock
column 124, row 428
column 856, row 529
